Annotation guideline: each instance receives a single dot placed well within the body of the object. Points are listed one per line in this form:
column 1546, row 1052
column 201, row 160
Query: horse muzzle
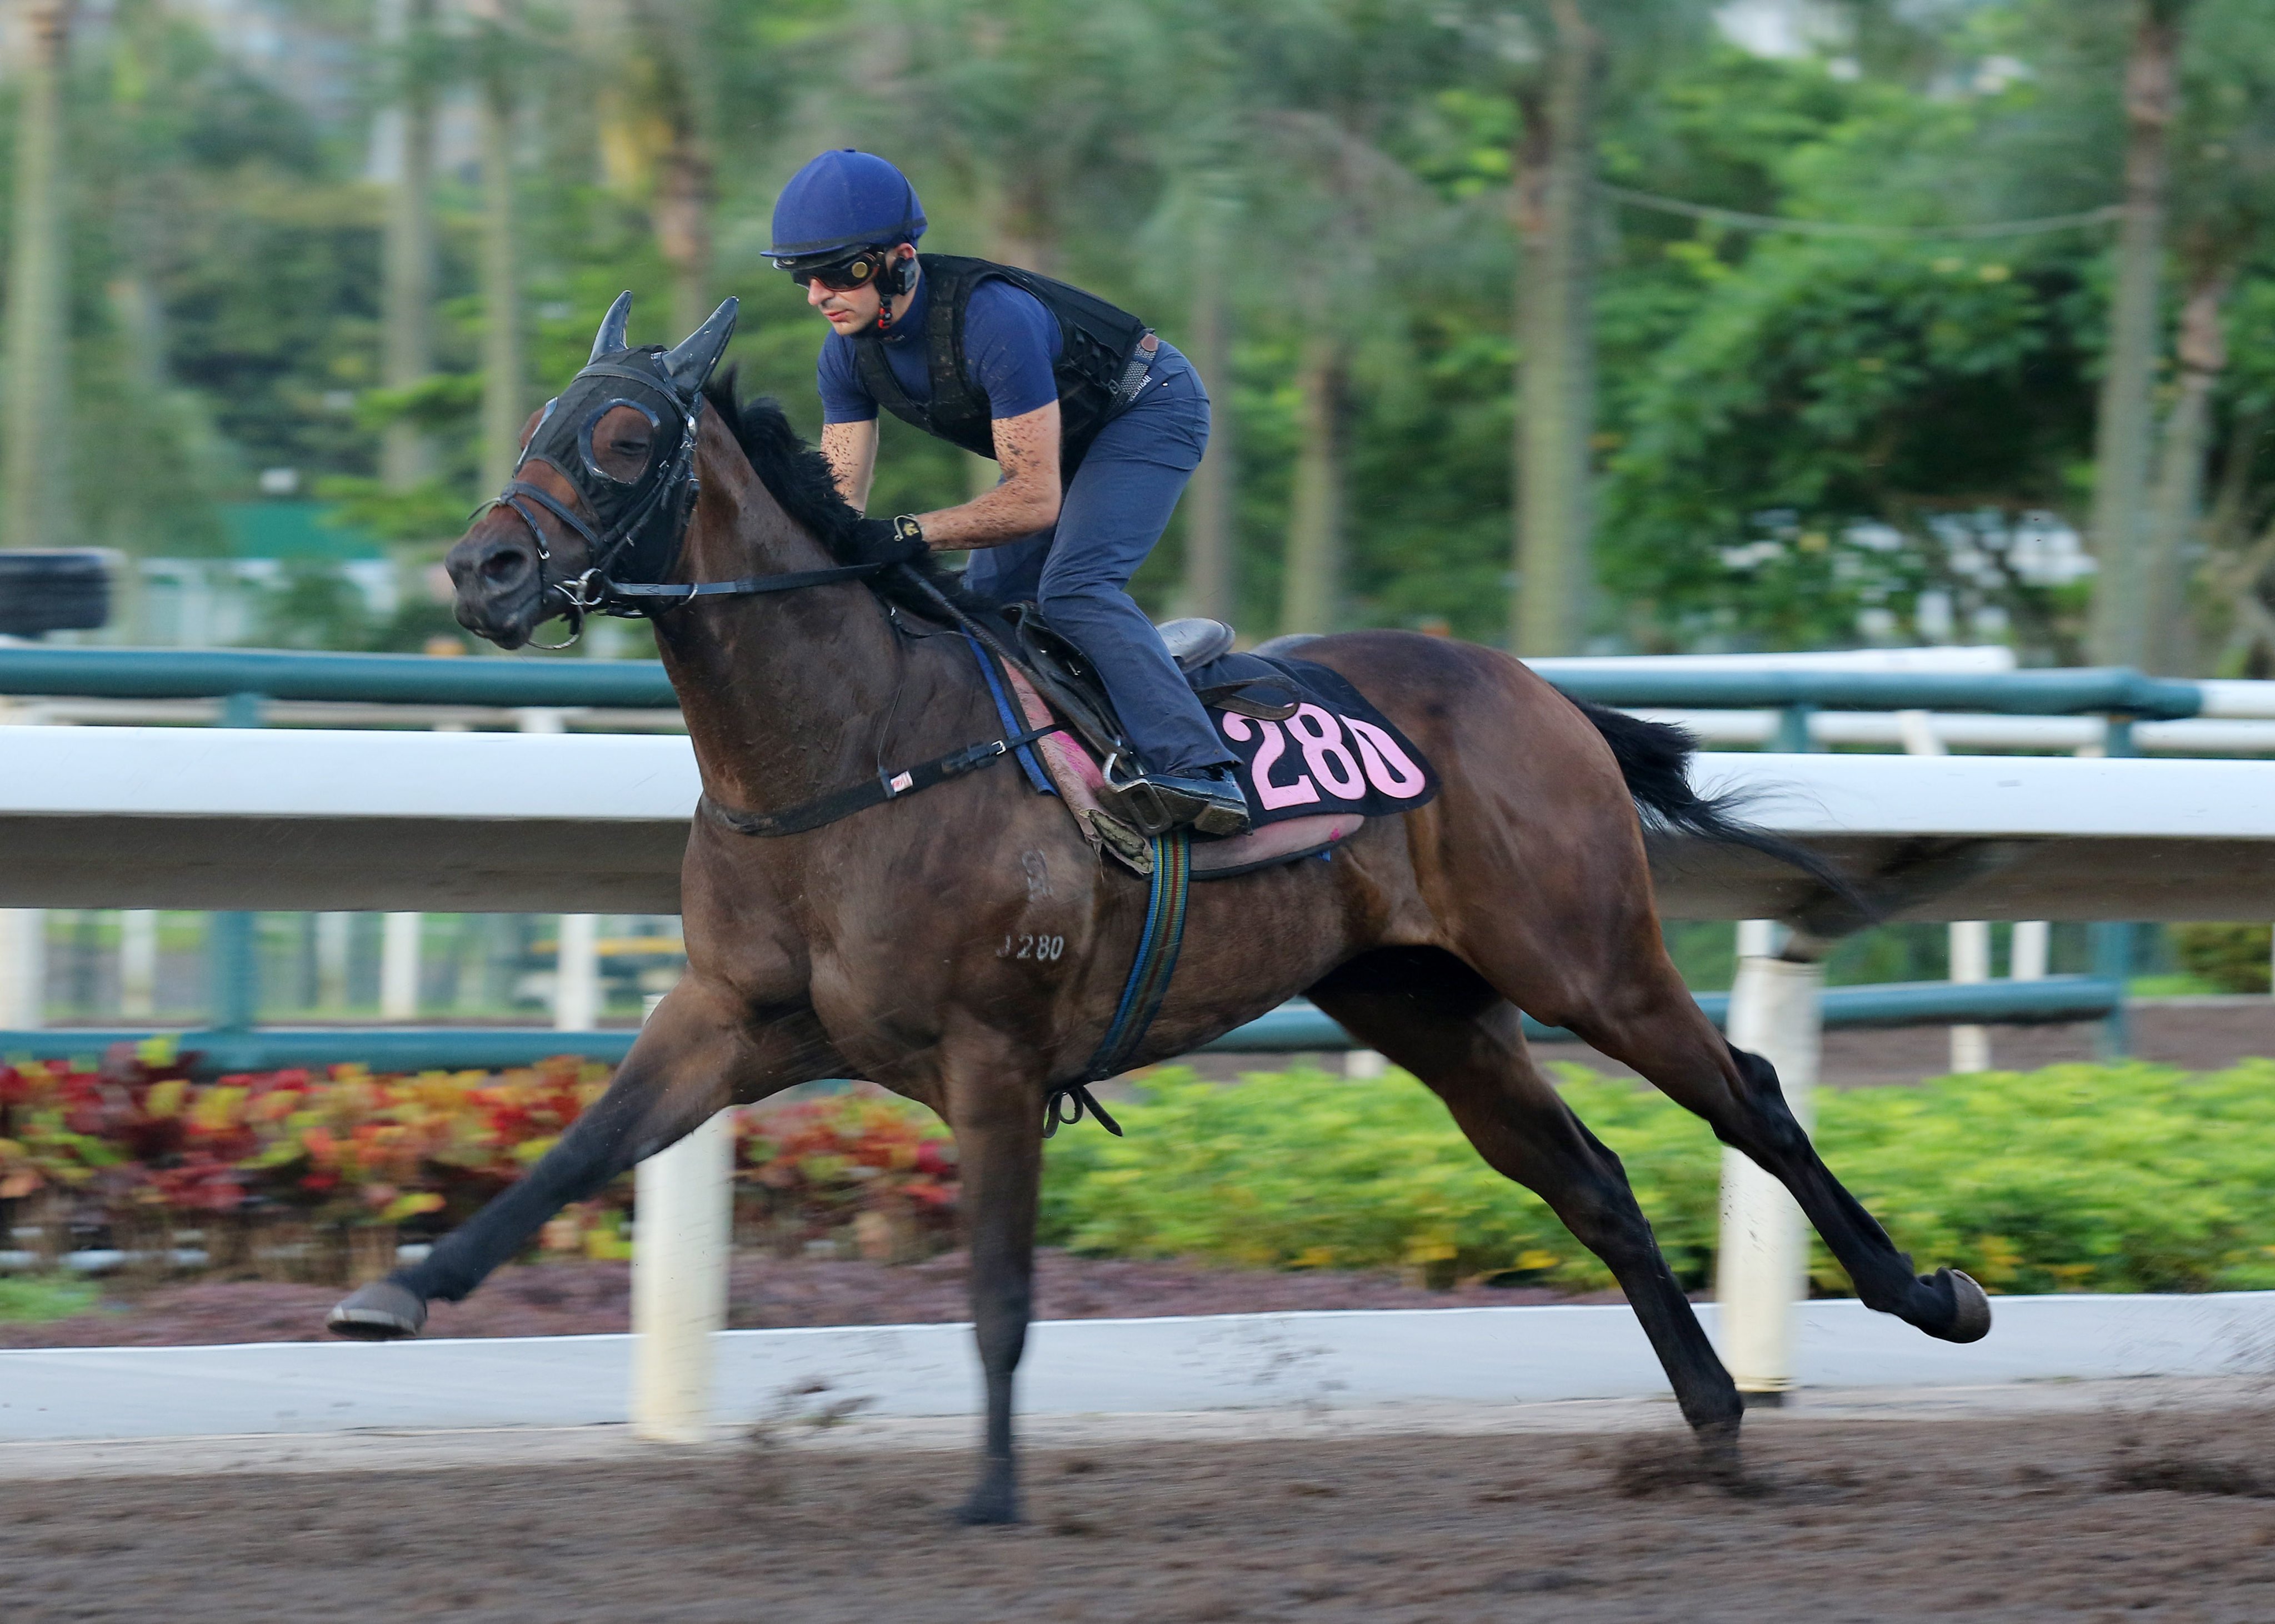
column 498, row 585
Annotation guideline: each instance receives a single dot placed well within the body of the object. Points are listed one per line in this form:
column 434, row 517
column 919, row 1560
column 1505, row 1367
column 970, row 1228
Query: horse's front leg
column 697, row 1054
column 995, row 1110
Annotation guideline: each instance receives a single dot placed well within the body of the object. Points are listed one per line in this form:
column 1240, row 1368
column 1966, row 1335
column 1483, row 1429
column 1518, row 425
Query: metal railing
column 247, row 681
column 426, row 679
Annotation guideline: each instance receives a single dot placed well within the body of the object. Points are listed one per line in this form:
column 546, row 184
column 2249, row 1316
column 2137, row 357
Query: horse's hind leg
column 693, row 1057
column 1650, row 1022
column 1440, row 1019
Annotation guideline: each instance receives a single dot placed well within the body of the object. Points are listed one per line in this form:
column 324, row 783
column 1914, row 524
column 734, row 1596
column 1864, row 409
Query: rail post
column 23, row 968
column 232, row 945
column 1761, row 1265
column 683, row 1236
column 2113, row 940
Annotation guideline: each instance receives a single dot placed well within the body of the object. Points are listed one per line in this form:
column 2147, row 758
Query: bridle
column 593, row 590
column 638, row 525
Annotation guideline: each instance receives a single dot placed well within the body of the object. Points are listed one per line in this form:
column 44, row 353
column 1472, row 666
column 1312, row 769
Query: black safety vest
column 1098, row 340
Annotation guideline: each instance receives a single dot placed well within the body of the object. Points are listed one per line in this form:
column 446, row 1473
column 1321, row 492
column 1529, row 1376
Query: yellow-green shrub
column 2106, row 1178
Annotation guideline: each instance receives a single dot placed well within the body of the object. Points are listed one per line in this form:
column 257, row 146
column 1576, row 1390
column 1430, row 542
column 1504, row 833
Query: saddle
column 1082, row 755
column 1075, row 692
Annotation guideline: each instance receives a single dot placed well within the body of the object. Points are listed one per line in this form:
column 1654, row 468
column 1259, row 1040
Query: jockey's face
column 853, row 310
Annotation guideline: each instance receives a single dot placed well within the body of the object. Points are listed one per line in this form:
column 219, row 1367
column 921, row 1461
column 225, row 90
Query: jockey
column 1097, row 423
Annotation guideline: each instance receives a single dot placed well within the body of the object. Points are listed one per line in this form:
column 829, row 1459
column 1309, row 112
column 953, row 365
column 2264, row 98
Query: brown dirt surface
column 2096, row 1517
column 565, row 1299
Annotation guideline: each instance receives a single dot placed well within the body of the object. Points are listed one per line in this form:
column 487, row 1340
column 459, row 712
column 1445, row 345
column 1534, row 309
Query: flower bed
column 2121, row 1178
column 318, row 1175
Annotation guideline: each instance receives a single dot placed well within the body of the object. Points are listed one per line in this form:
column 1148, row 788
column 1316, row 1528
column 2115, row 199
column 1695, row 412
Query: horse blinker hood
column 639, row 524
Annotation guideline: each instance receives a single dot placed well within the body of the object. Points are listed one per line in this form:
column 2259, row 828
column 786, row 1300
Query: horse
column 871, row 946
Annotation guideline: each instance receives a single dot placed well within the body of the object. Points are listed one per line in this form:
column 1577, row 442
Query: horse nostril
column 502, row 566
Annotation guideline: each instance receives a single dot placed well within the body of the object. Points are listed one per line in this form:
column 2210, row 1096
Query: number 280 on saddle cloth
column 1336, row 753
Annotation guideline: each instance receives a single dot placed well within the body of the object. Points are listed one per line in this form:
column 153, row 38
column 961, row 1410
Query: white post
column 1762, row 1264
column 333, row 932
column 138, row 963
column 1970, row 962
column 1364, row 1065
column 683, row 1237
column 398, row 966
column 682, row 1211
column 577, row 974
column 23, row 968
column 2028, row 953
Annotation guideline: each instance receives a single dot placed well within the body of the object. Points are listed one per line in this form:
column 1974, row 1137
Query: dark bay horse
column 871, row 946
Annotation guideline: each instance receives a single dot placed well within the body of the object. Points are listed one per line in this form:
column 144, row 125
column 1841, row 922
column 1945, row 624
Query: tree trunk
column 1209, row 525
column 2120, row 634
column 1555, row 365
column 1311, row 590
column 407, row 455
column 39, row 428
column 685, row 188
column 503, row 364
column 2170, row 646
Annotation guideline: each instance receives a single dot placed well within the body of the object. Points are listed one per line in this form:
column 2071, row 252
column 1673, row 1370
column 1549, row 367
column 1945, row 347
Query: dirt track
column 2034, row 1518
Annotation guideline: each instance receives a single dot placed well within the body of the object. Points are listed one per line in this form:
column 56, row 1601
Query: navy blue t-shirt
column 1010, row 344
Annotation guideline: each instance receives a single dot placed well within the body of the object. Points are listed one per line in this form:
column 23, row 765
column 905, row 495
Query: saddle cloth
column 1316, row 762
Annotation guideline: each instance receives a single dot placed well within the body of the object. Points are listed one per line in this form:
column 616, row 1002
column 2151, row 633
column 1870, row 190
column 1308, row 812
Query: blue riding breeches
column 1114, row 510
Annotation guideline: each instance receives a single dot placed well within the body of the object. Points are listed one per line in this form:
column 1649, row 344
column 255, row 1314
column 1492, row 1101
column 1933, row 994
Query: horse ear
column 689, row 364
column 611, row 336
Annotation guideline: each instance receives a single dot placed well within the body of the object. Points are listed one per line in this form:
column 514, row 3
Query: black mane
column 798, row 476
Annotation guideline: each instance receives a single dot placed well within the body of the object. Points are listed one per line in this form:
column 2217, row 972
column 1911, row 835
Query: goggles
column 844, row 273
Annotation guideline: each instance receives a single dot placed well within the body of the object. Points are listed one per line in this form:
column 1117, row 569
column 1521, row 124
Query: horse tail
column 1654, row 759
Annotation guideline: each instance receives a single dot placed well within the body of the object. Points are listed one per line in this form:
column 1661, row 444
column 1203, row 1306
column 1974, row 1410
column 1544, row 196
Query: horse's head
column 603, row 491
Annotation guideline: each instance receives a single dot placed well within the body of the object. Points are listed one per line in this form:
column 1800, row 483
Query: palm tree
column 405, row 29
column 2125, row 427
column 503, row 364
column 36, row 468
column 1555, row 197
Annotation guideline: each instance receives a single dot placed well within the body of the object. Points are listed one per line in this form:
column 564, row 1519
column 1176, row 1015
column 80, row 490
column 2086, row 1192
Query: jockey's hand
column 892, row 540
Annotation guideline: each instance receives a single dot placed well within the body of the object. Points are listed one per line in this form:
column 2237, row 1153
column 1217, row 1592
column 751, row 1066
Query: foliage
column 2077, row 1178
column 2118, row 1178
column 138, row 1138
column 34, row 1299
column 2234, row 959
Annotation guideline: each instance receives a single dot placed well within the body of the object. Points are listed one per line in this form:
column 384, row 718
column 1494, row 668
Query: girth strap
column 1158, row 946
column 885, row 787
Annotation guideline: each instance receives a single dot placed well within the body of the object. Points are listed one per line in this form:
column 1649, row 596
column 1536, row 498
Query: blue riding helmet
column 844, row 200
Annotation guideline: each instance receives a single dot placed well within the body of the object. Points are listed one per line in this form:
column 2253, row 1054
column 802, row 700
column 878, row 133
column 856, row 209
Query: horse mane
column 798, row 476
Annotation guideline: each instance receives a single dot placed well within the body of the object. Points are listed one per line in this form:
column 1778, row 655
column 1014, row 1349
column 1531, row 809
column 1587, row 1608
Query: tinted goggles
column 841, row 274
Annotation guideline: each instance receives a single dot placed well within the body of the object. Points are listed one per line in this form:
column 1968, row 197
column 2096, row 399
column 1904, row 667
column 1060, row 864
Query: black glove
column 892, row 540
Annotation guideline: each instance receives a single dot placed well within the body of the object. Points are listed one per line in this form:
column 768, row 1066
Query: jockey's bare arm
column 851, row 449
column 1025, row 501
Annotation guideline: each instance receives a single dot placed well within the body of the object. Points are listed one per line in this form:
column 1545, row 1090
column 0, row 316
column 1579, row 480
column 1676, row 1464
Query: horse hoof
column 1970, row 1318
column 380, row 1312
